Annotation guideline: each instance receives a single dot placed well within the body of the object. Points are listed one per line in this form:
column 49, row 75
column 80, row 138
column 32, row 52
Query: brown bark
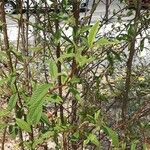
column 129, row 63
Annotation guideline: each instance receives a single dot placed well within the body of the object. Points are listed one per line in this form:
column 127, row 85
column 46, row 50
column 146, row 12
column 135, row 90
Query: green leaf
column 36, row 103
column 53, row 69
column 57, row 36
column 83, row 60
column 39, row 93
column 117, row 55
column 75, row 80
column 131, row 31
column 92, row 34
column 75, row 136
column 134, row 144
column 75, row 93
column 97, row 117
column 142, row 44
column 105, row 42
column 83, row 29
column 34, row 114
column 65, row 56
column 113, row 135
column 54, row 98
column 110, row 58
column 93, row 138
column 123, row 146
column 12, row 101
column 146, row 146
column 23, row 125
column 86, row 142
column 13, row 130
column 2, row 126
column 4, row 112
column 45, row 119
column 42, row 138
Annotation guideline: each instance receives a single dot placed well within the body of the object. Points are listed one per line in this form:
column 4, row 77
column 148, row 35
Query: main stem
column 129, row 63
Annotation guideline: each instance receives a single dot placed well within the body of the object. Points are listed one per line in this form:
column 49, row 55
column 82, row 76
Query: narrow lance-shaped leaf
column 54, row 99
column 12, row 101
column 53, row 69
column 35, row 104
column 112, row 134
column 35, row 114
column 94, row 140
column 23, row 125
column 106, row 42
column 39, row 93
column 97, row 118
column 44, row 118
column 134, row 145
column 92, row 34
